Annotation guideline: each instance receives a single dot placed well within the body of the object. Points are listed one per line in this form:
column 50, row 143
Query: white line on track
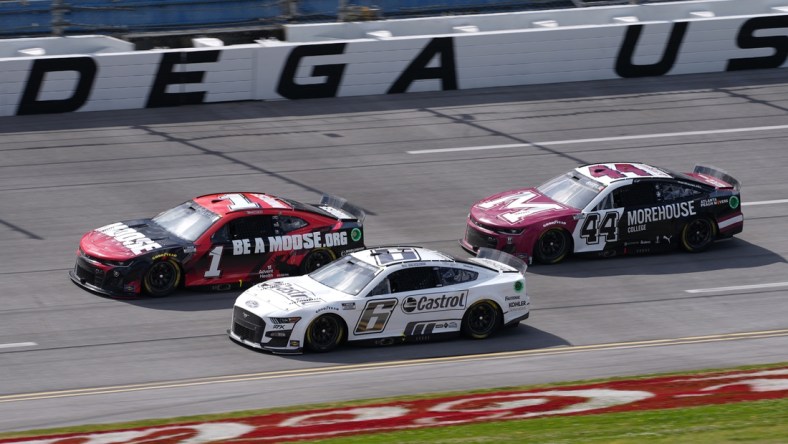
column 738, row 287
column 18, row 344
column 765, row 202
column 601, row 139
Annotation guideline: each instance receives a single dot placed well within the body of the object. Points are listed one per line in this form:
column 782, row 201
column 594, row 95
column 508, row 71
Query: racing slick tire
column 325, row 333
column 481, row 320
column 698, row 234
column 552, row 246
column 162, row 278
column 316, row 259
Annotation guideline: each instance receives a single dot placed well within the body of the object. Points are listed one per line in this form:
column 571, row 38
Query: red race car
column 607, row 209
column 217, row 240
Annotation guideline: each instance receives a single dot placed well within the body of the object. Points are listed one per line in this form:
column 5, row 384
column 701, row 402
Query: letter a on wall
column 446, row 72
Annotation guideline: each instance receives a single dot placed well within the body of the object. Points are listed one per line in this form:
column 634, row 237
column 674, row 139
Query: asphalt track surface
column 68, row 356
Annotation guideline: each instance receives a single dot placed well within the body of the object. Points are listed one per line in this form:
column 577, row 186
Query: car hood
column 518, row 209
column 127, row 240
column 288, row 295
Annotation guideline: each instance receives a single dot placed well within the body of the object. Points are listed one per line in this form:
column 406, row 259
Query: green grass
column 743, row 422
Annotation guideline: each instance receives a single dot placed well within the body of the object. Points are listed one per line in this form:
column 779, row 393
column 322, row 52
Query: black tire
column 325, row 333
column 481, row 320
column 316, row 259
column 552, row 246
column 698, row 234
column 162, row 278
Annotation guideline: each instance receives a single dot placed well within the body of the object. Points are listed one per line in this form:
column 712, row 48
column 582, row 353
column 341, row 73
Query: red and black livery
column 219, row 241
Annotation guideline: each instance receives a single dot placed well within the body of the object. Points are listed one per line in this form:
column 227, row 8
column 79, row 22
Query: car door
column 424, row 301
column 238, row 250
column 645, row 217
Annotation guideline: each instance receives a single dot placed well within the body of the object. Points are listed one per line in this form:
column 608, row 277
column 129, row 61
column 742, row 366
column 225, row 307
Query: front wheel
column 552, row 246
column 316, row 259
column 325, row 333
column 481, row 320
column 162, row 278
column 697, row 235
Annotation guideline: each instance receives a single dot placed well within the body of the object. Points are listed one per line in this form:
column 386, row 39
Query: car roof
column 223, row 204
column 619, row 171
column 389, row 256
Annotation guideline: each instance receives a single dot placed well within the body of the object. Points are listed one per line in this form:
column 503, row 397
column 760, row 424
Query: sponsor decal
column 355, row 234
column 518, row 287
column 734, row 202
column 554, row 222
column 336, row 212
column 305, row 241
column 164, row 255
column 712, row 202
column 428, row 303
column 518, row 304
column 348, row 306
column 663, row 212
column 295, row 343
column 295, row 293
column 512, row 298
column 428, row 327
column 326, row 308
column 267, row 272
column 251, row 304
column 130, row 238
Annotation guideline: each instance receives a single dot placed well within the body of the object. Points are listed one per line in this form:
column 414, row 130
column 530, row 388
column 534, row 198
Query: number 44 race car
column 217, row 240
column 608, row 209
column 383, row 296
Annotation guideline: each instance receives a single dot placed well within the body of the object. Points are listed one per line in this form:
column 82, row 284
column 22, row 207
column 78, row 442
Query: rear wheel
column 325, row 333
column 552, row 246
column 698, row 234
column 316, row 259
column 162, row 278
column 481, row 320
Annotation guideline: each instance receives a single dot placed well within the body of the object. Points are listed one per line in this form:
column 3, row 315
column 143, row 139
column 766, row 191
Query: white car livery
column 383, row 296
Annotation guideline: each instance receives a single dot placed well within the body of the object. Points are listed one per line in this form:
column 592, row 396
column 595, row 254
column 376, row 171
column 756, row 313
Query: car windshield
column 348, row 275
column 187, row 221
column 572, row 190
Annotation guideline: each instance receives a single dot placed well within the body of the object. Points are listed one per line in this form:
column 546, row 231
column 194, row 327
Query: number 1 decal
column 216, row 256
column 239, row 202
column 593, row 229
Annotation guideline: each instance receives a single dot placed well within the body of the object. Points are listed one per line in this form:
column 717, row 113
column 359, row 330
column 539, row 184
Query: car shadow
column 514, row 339
column 729, row 254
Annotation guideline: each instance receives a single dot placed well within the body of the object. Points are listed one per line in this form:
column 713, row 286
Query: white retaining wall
column 613, row 42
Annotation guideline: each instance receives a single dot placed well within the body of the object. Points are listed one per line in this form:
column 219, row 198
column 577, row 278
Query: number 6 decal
column 375, row 316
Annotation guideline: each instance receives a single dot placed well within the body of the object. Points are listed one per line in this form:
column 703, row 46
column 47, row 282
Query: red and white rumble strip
column 618, row 396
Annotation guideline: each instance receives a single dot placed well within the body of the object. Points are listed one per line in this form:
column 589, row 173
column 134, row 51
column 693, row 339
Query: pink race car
column 607, row 209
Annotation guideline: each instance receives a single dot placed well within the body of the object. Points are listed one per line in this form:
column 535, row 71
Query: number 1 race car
column 217, row 240
column 608, row 209
column 383, row 296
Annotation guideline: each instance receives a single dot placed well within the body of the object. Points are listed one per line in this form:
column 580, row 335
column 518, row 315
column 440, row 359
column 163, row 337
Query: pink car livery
column 609, row 209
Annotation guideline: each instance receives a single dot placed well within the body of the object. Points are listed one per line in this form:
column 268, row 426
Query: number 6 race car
column 217, row 240
column 608, row 209
column 383, row 296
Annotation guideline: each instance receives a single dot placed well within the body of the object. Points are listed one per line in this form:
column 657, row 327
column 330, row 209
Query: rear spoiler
column 341, row 204
column 503, row 258
column 711, row 171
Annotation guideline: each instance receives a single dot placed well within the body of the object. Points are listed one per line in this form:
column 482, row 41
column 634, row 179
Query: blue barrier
column 39, row 17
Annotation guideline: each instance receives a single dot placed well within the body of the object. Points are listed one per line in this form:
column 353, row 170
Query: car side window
column 606, row 204
column 384, row 287
column 454, row 276
column 287, row 224
column 410, row 279
column 250, row 227
column 670, row 192
column 637, row 194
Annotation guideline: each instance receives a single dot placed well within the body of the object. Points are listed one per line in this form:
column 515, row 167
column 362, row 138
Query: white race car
column 383, row 296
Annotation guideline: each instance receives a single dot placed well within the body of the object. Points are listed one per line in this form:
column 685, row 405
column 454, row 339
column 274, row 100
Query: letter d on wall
column 86, row 69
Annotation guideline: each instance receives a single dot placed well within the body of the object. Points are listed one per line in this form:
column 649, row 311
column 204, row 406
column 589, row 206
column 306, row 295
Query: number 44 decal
column 592, row 229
